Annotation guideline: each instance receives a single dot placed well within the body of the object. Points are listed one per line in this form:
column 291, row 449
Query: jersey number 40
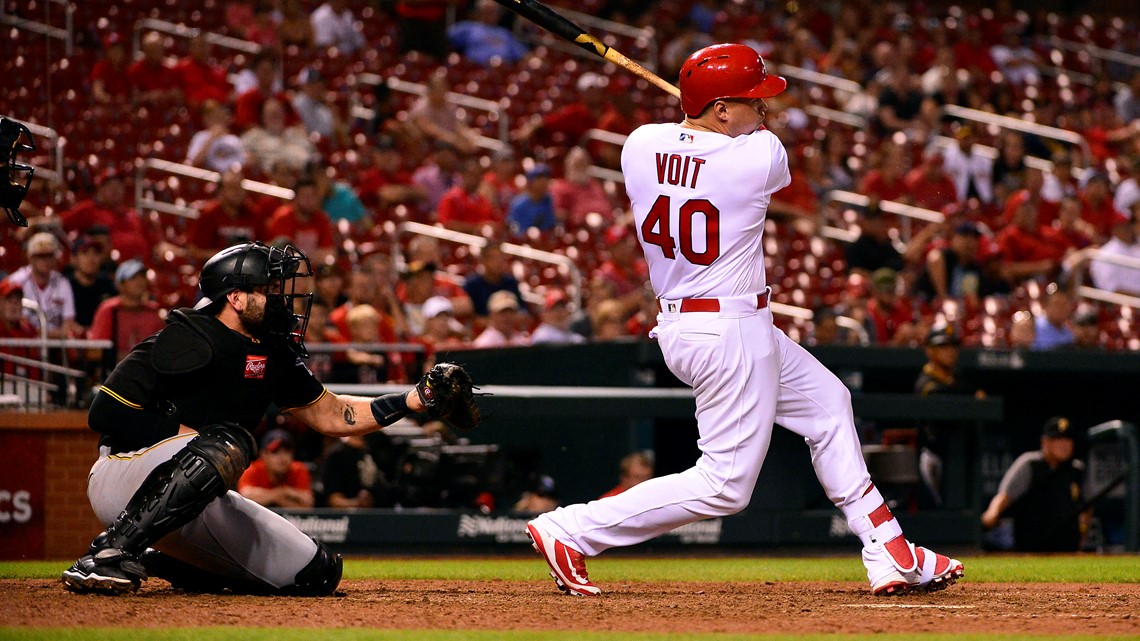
column 656, row 230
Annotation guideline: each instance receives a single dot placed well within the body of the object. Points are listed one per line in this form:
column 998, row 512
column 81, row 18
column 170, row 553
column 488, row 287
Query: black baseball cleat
column 108, row 571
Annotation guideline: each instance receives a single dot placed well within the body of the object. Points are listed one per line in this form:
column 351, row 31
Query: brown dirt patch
column 785, row 608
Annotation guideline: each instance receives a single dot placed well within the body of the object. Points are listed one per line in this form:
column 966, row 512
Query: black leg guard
column 319, row 578
column 178, row 490
column 190, row 578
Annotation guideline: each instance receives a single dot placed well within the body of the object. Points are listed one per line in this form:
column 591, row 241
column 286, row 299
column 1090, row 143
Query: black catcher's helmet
column 243, row 267
column 14, row 177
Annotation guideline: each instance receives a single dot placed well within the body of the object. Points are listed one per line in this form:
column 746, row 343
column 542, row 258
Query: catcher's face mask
column 287, row 309
column 14, row 177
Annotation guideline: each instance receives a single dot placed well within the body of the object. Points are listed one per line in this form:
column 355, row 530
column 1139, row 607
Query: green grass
column 278, row 634
column 989, row 568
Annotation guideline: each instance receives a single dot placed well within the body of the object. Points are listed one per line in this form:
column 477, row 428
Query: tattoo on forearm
column 350, row 415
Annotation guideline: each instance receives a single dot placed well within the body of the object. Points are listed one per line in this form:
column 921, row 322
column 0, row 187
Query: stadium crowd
column 877, row 105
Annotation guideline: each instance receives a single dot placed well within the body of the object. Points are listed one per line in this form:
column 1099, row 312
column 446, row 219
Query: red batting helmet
column 725, row 71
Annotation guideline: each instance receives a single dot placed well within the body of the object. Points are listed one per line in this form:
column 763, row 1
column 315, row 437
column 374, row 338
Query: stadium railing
column 496, row 111
column 144, row 202
column 66, row 33
column 1015, row 124
column 564, row 264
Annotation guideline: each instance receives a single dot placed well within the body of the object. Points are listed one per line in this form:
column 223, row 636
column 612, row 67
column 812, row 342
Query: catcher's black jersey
column 233, row 379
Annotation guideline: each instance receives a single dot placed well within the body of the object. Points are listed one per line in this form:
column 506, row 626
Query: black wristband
column 389, row 408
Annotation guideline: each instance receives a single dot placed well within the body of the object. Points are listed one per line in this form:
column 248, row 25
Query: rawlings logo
column 255, row 366
column 429, row 393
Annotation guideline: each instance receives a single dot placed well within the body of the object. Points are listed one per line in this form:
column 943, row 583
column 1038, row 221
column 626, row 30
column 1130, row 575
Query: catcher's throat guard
column 15, row 177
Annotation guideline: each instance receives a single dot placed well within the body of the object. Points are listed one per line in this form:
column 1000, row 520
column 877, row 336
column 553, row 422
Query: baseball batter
column 700, row 191
column 174, row 418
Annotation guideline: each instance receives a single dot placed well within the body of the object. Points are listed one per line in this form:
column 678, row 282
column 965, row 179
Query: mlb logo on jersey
column 686, row 138
column 255, row 366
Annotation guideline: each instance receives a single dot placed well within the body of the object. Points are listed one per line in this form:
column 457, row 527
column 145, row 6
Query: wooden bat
column 546, row 18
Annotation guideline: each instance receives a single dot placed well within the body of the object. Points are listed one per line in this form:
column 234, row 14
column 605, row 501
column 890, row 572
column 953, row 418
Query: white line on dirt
column 906, row 605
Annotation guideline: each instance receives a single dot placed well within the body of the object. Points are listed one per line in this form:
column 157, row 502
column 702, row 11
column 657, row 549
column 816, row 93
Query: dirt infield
column 785, row 608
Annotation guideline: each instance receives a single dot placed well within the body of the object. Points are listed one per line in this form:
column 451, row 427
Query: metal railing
column 182, row 31
column 563, row 263
column 803, row 313
column 908, row 213
column 1077, row 262
column 143, row 202
column 1119, row 57
column 36, row 393
column 1033, row 162
column 497, row 111
column 817, row 78
column 66, row 34
column 1006, row 122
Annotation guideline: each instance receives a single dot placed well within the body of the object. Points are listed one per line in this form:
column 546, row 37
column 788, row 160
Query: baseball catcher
column 174, row 419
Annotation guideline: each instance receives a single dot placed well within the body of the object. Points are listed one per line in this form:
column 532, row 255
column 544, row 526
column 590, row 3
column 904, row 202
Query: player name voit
column 675, row 169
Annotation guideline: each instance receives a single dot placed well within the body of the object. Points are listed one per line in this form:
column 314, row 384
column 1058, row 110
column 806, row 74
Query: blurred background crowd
column 452, row 171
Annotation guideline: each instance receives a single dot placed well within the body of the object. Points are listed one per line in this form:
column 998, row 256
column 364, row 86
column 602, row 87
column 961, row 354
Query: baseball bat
column 548, row 19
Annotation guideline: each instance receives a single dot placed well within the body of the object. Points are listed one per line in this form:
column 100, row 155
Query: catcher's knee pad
column 320, row 577
column 179, row 489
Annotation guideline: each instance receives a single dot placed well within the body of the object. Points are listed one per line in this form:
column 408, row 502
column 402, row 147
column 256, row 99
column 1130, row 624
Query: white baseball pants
column 746, row 374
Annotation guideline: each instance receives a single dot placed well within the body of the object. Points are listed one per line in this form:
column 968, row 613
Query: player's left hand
column 447, row 393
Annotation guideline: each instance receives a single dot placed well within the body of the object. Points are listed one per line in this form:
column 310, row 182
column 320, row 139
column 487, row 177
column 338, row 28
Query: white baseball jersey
column 700, row 199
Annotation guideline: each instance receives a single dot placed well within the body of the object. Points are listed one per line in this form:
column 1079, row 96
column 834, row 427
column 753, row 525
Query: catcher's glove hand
column 446, row 392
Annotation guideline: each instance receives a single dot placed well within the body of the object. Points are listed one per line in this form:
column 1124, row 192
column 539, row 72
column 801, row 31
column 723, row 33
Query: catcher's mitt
column 447, row 393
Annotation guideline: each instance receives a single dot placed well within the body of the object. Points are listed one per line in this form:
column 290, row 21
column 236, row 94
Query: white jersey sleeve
column 699, row 201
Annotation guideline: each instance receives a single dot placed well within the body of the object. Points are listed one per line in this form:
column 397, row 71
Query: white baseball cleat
column 567, row 565
column 899, row 567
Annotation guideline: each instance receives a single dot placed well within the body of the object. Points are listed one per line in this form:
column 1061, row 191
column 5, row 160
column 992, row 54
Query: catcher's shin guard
column 178, row 490
column 320, row 577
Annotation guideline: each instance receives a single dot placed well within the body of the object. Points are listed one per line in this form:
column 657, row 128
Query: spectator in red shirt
column 247, row 107
column 132, row 235
column 281, row 174
column 275, row 479
column 625, row 268
column 303, row 224
column 973, row 55
column 1098, row 209
column 500, row 182
column 153, row 81
column 569, row 124
column 1029, row 249
column 580, row 200
column 463, row 208
column 200, row 80
column 361, row 290
column 622, row 116
column 928, row 185
column 1076, row 232
column 425, row 250
column 14, row 325
column 387, row 183
column 634, row 468
column 225, row 221
column 891, row 315
column 885, row 181
column 131, row 316
column 109, row 82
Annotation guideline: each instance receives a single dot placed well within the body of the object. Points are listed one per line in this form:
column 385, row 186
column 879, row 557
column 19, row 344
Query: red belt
column 713, row 304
